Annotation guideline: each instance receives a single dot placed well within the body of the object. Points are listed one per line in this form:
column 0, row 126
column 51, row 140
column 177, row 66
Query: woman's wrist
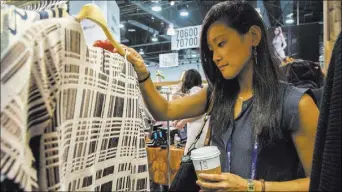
column 145, row 79
column 258, row 185
column 142, row 73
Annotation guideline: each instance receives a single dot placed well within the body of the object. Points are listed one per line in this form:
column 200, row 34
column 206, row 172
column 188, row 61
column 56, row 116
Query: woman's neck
column 246, row 80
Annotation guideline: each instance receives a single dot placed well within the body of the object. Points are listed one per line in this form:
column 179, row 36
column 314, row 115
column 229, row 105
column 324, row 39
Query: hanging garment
column 326, row 165
column 15, row 21
column 71, row 118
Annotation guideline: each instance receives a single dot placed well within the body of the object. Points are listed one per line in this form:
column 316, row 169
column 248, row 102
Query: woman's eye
column 221, row 44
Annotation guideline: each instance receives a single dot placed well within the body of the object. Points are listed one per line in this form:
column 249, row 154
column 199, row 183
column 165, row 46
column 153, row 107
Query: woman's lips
column 223, row 66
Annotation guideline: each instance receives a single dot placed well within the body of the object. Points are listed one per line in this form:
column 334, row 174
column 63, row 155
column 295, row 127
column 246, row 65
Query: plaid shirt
column 70, row 114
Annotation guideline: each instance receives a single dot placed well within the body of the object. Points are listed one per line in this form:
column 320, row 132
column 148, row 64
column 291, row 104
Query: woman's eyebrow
column 218, row 36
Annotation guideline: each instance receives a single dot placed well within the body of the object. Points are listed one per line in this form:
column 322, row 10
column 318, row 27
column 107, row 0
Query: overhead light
column 289, row 15
column 122, row 25
column 172, row 3
column 184, row 13
column 131, row 30
column 154, row 38
column 141, row 52
column 289, row 21
column 156, row 8
column 193, row 55
column 183, row 10
column 171, row 31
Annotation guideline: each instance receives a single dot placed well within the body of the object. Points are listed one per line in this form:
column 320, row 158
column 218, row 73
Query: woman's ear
column 255, row 32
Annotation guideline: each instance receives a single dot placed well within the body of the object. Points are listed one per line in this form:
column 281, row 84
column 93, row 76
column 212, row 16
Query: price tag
column 168, row 60
column 187, row 37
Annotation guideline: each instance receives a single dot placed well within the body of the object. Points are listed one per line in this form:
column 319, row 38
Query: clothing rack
column 39, row 5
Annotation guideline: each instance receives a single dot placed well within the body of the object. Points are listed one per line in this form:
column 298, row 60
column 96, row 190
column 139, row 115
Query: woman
column 191, row 85
column 178, row 91
column 279, row 43
column 247, row 96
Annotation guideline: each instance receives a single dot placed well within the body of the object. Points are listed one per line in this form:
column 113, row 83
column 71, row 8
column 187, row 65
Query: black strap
column 192, row 146
column 206, row 117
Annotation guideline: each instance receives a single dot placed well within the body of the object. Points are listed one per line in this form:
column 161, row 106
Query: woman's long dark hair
column 192, row 78
column 266, row 109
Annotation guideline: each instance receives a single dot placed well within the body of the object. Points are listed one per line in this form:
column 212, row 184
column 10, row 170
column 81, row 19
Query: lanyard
column 254, row 156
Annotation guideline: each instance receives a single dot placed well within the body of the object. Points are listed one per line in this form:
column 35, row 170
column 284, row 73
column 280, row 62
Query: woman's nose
column 217, row 58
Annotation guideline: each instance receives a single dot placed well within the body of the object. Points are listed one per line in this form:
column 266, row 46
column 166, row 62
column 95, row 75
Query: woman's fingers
column 212, row 177
column 208, row 185
column 132, row 55
column 174, row 123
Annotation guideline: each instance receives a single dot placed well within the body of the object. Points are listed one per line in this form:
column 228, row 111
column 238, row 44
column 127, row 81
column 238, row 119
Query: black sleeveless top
column 279, row 162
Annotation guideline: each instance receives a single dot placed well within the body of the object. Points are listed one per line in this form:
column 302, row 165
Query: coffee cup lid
column 207, row 152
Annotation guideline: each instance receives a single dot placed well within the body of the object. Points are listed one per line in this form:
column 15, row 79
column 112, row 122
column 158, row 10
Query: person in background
column 192, row 84
column 279, row 43
column 178, row 90
column 253, row 113
column 305, row 74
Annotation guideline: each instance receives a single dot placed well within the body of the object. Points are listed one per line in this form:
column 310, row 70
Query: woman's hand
column 221, row 182
column 174, row 123
column 174, row 97
column 180, row 124
column 132, row 56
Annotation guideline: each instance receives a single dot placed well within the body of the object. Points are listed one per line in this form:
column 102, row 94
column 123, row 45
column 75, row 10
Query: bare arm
column 179, row 124
column 181, row 108
column 159, row 107
column 304, row 140
column 189, row 120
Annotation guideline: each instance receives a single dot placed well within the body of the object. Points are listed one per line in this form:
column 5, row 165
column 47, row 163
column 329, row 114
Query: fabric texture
column 326, row 166
column 279, row 162
column 71, row 116
column 15, row 21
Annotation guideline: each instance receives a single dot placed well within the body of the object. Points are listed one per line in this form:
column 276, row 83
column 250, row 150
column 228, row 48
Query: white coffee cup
column 206, row 160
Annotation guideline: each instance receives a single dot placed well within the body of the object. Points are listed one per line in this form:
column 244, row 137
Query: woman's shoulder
column 290, row 92
column 290, row 98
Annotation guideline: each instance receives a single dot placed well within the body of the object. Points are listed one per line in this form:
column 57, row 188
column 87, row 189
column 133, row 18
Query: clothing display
column 326, row 165
column 79, row 98
column 71, row 115
column 15, row 21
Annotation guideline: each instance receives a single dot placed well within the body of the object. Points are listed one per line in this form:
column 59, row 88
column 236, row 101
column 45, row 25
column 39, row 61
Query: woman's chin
column 228, row 76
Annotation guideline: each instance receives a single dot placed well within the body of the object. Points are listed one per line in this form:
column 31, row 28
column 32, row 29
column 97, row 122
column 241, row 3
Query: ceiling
column 138, row 15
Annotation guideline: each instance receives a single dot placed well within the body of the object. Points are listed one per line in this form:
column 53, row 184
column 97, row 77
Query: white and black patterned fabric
column 15, row 21
column 71, row 116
